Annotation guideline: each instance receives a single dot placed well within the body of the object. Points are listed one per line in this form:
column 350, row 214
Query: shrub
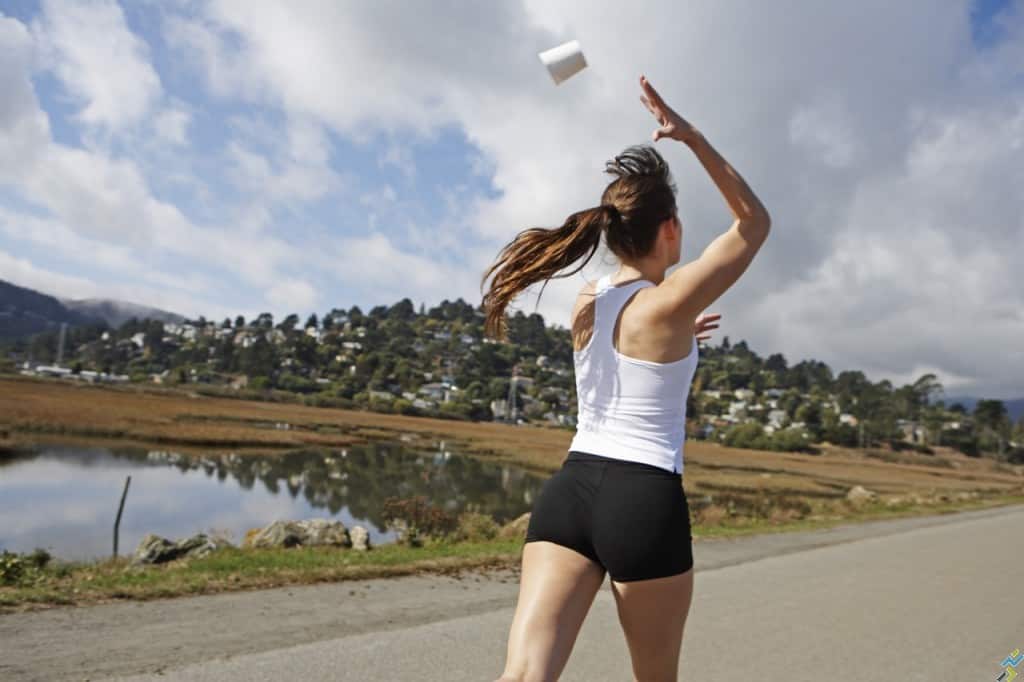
column 415, row 519
column 790, row 440
column 750, row 435
column 12, row 568
column 17, row 569
column 474, row 526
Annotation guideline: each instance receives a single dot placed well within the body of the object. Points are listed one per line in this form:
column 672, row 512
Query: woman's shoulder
column 582, row 318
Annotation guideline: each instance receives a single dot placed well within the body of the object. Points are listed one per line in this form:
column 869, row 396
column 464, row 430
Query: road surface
column 920, row 599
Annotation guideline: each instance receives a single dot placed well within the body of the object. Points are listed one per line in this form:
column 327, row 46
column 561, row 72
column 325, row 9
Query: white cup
column 563, row 61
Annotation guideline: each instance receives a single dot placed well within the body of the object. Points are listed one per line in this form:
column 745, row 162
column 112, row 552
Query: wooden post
column 120, row 509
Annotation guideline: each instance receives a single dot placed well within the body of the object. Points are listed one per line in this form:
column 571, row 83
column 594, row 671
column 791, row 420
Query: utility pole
column 60, row 344
column 512, row 397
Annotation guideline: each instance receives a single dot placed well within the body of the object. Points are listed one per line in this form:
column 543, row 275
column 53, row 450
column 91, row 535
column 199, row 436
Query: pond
column 64, row 498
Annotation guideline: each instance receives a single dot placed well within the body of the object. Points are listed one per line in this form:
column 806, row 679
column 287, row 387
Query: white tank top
column 629, row 408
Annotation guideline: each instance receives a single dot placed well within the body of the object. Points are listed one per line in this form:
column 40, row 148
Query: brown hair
column 633, row 206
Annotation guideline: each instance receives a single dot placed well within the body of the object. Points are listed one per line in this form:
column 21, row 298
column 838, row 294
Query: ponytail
column 538, row 254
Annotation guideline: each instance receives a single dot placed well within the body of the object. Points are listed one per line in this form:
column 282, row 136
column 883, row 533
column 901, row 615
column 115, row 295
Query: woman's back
column 632, row 399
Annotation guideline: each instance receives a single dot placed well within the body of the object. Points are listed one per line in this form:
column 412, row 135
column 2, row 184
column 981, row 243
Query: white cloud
column 401, row 158
column 396, row 272
column 107, row 199
column 172, row 125
column 22, row 272
column 98, row 60
column 891, row 173
column 299, row 169
column 292, row 294
column 823, row 130
column 838, row 141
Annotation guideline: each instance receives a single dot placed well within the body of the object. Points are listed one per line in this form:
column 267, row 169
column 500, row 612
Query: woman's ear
column 672, row 227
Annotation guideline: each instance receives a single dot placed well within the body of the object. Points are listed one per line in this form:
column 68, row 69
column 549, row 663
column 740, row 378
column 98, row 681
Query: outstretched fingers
column 651, row 93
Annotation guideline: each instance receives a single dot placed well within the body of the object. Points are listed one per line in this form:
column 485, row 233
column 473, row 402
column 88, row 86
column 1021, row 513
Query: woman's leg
column 653, row 614
column 557, row 586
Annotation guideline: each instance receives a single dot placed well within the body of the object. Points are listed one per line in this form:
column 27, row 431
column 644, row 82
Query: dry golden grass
column 30, row 407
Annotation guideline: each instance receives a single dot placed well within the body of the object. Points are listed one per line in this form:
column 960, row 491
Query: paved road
column 929, row 599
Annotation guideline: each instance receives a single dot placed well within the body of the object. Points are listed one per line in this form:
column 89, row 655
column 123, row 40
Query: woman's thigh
column 653, row 615
column 556, row 589
column 642, row 536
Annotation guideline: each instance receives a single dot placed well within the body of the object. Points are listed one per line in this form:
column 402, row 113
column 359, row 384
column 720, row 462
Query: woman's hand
column 672, row 124
column 705, row 323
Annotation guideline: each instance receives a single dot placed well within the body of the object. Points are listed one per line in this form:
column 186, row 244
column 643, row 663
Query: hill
column 24, row 312
column 116, row 313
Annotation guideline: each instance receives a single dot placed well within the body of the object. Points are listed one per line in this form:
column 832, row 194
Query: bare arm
column 693, row 287
column 699, row 283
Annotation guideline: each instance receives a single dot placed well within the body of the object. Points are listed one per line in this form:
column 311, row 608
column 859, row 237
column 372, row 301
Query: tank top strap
column 609, row 302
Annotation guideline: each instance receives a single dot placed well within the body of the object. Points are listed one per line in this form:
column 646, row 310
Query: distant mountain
column 117, row 313
column 1015, row 407
column 24, row 312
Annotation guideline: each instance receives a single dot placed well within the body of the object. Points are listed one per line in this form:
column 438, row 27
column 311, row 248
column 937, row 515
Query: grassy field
column 731, row 491
column 33, row 409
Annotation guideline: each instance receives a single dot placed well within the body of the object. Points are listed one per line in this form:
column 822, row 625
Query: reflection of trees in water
column 359, row 477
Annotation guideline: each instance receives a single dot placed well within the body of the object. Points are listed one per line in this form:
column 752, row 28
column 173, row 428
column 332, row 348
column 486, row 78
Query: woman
column 617, row 504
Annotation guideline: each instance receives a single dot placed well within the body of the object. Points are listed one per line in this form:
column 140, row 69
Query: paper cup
column 563, row 61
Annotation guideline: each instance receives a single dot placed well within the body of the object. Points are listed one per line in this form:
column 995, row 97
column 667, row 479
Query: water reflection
column 65, row 498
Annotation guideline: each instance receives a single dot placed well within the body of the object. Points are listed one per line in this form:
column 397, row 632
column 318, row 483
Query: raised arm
column 696, row 285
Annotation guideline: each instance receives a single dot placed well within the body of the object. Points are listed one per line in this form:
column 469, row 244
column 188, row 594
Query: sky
column 225, row 157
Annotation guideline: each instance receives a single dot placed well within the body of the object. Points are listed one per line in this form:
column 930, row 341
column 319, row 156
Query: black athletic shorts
column 631, row 518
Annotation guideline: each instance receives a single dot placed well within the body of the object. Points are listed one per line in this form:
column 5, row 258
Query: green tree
column 993, row 422
column 288, row 324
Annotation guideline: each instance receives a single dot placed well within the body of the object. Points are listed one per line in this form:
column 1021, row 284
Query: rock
column 360, row 538
column 324, row 532
column 859, row 494
column 308, row 533
column 201, row 545
column 277, row 534
column 154, row 549
column 515, row 528
column 894, row 501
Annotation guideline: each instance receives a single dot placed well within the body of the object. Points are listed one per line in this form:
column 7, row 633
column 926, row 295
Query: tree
column 993, row 420
column 258, row 359
column 311, row 322
column 990, row 413
column 927, row 388
column 776, row 362
column 403, row 310
column 810, row 414
column 288, row 324
column 239, row 322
